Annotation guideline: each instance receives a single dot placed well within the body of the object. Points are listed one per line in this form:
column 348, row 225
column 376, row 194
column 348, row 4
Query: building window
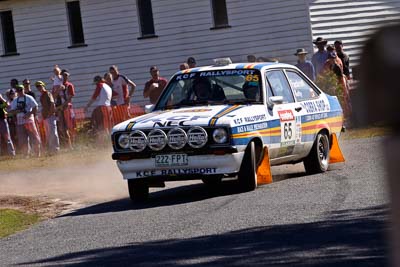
column 75, row 23
column 220, row 14
column 7, row 28
column 146, row 18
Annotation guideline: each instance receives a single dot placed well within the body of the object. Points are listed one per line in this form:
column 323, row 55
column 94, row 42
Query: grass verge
column 368, row 132
column 12, row 221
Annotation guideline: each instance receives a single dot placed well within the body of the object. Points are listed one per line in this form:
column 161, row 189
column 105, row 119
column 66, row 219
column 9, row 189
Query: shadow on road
column 174, row 196
column 167, row 197
column 345, row 238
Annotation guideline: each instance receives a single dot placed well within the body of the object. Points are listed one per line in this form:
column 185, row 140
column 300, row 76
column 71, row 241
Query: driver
column 251, row 92
column 202, row 88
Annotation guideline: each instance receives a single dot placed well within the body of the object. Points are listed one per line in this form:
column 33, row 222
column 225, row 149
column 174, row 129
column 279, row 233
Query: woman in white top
column 101, row 99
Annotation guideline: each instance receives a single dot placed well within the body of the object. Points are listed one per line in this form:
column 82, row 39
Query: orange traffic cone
column 336, row 154
column 264, row 175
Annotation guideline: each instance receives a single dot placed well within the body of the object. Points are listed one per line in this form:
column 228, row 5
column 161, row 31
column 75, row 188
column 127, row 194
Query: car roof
column 257, row 65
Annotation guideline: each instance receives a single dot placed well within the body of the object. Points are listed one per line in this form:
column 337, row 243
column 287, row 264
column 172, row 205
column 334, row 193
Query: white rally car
column 228, row 120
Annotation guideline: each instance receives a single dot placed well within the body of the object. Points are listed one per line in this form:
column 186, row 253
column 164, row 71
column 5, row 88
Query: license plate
column 171, row 160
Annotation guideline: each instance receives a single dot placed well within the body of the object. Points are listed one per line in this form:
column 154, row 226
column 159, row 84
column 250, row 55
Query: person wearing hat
column 191, row 62
column 319, row 58
column 24, row 107
column 5, row 137
column 101, row 99
column 154, row 87
column 343, row 56
column 49, row 118
column 305, row 65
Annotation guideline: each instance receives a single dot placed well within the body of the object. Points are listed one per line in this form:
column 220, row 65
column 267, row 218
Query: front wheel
column 138, row 190
column 318, row 159
column 248, row 169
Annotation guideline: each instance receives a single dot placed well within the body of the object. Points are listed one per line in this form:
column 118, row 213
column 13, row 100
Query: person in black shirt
column 27, row 88
column 344, row 57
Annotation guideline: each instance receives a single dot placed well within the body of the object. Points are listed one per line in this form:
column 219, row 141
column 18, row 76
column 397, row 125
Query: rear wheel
column 318, row 159
column 138, row 190
column 248, row 169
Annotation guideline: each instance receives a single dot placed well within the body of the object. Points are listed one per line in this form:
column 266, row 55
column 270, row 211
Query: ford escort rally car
column 228, row 120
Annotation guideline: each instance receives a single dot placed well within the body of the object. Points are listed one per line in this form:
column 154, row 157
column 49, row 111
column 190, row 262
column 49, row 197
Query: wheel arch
column 258, row 145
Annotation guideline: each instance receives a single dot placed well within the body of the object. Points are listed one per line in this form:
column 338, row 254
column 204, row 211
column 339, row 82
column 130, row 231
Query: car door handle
column 298, row 109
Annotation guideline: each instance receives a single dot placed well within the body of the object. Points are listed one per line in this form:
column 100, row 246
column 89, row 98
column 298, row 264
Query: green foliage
column 12, row 221
column 329, row 83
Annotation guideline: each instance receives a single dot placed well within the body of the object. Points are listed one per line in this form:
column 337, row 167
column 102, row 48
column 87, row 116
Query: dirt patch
column 55, row 185
column 45, row 208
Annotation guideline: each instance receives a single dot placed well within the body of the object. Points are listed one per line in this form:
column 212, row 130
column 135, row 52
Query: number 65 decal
column 287, row 130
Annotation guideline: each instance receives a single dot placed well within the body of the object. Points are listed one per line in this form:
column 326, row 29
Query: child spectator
column 57, row 80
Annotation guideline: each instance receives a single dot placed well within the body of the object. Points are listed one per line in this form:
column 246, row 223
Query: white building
column 88, row 36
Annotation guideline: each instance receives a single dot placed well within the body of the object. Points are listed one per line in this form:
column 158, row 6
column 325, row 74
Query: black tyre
column 138, row 190
column 248, row 169
column 318, row 159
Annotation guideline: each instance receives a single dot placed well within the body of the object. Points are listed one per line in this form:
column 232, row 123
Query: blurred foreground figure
column 380, row 67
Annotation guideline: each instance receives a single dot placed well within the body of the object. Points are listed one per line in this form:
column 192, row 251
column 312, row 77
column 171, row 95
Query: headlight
column 123, row 141
column 220, row 135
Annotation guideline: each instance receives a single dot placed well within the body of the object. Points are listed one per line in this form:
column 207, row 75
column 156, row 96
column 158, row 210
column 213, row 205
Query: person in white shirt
column 121, row 94
column 101, row 99
column 24, row 107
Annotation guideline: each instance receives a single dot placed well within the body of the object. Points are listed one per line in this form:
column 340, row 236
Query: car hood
column 195, row 116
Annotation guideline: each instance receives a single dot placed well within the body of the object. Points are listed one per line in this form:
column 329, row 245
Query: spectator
column 120, row 86
column 183, row 66
column 109, row 81
column 191, row 62
column 251, row 58
column 49, row 118
column 101, row 99
column 57, row 80
column 27, row 87
column 334, row 64
column 305, row 65
column 319, row 58
column 108, row 78
column 121, row 94
column 5, row 137
column 344, row 57
column 65, row 113
column 12, row 121
column 24, row 106
column 13, row 83
column 155, row 85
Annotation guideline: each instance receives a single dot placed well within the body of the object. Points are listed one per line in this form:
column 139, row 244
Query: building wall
column 352, row 21
column 273, row 28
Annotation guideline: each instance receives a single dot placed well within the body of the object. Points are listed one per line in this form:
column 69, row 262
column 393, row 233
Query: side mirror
column 148, row 108
column 275, row 100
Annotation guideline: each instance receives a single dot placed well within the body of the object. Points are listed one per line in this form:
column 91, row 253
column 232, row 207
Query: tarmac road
column 338, row 218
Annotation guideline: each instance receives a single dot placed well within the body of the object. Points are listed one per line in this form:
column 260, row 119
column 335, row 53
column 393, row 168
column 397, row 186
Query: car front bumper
column 198, row 165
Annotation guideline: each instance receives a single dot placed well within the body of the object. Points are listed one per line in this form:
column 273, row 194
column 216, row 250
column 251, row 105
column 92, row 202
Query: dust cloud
column 76, row 182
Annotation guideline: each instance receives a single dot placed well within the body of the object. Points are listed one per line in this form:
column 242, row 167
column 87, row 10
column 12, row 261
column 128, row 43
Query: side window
column 302, row 90
column 220, row 14
column 280, row 85
column 146, row 21
column 7, row 28
column 75, row 23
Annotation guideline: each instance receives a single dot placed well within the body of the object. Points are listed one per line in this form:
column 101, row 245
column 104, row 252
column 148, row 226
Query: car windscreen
column 214, row 87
